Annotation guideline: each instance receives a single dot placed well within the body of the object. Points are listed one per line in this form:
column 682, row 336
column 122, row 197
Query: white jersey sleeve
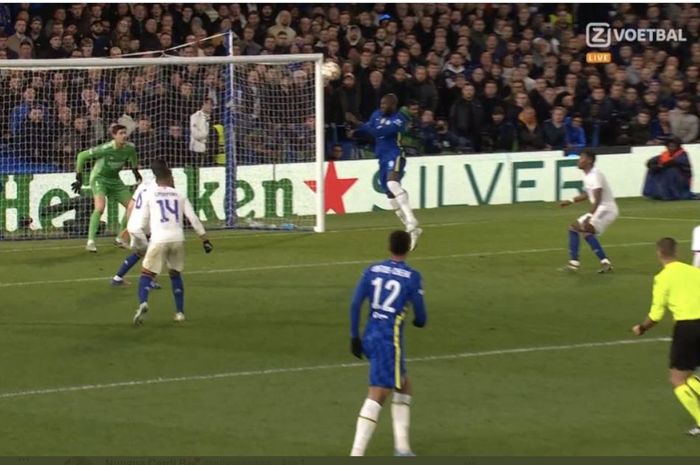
column 193, row 218
column 140, row 199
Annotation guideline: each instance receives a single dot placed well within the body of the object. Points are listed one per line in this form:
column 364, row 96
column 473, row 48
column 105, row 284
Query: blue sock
column 144, row 287
column 128, row 264
column 178, row 292
column 595, row 245
column 573, row 244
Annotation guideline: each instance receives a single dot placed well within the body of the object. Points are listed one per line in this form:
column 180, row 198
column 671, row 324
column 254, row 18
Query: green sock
column 94, row 224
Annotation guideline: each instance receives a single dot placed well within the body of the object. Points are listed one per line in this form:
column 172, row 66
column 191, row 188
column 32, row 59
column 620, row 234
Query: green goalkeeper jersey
column 110, row 160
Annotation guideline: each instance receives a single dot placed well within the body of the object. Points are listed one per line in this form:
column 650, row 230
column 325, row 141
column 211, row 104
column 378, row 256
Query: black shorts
column 685, row 346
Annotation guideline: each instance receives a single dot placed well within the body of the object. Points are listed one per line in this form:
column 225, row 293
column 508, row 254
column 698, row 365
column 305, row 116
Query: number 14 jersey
column 164, row 210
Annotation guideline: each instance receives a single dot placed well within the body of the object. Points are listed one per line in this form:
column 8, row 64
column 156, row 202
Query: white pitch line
column 277, row 371
column 325, row 264
column 646, row 218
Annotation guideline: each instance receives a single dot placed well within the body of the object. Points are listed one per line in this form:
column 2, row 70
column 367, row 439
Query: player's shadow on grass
column 275, row 238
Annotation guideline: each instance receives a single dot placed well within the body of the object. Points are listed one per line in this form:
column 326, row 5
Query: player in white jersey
column 601, row 215
column 133, row 213
column 163, row 212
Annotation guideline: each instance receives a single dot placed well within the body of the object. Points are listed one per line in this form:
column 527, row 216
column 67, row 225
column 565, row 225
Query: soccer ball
column 330, row 71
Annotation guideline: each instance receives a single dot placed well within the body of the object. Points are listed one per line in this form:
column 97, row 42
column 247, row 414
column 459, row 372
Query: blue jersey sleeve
column 420, row 316
column 368, row 127
column 356, row 306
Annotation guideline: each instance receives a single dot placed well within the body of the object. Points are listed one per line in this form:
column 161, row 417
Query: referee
column 677, row 288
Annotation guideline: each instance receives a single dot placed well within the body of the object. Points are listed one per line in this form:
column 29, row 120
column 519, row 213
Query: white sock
column 401, row 198
column 366, row 423
column 401, row 418
column 696, row 259
column 397, row 210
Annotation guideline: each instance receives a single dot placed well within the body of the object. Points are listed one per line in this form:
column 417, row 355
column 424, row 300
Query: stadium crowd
column 469, row 77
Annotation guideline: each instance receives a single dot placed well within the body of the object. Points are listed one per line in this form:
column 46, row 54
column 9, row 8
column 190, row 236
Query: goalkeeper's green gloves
column 208, row 247
column 356, row 347
column 78, row 183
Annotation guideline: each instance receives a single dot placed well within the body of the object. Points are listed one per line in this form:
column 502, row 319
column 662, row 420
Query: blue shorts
column 388, row 165
column 387, row 364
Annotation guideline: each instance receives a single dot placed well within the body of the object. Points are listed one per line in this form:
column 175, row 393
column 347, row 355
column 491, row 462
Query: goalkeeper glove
column 208, row 247
column 78, row 183
column 137, row 175
column 356, row 347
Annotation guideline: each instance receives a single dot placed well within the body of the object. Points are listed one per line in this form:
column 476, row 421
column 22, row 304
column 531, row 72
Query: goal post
column 243, row 134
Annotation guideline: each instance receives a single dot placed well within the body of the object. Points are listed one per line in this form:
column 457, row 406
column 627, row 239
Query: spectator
column 661, row 127
column 372, row 93
column 199, row 135
column 530, row 135
column 684, row 124
column 21, row 111
column 466, row 119
column 14, row 41
column 640, row 129
column 555, row 130
column 284, row 19
column 500, row 134
column 130, row 116
column 175, row 145
column 575, row 135
column 411, row 137
column 34, row 139
column 96, row 124
column 669, row 174
column 25, row 51
column 421, row 89
column 429, row 134
column 145, row 140
column 350, row 96
column 336, row 153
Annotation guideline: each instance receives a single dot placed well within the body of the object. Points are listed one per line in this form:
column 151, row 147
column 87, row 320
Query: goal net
column 243, row 136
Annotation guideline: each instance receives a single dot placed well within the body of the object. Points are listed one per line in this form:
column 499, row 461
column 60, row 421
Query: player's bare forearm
column 576, row 199
column 643, row 327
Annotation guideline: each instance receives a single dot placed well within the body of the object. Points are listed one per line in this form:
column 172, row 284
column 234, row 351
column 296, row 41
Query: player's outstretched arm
column 83, row 157
column 358, row 297
column 420, row 316
column 579, row 198
column 192, row 217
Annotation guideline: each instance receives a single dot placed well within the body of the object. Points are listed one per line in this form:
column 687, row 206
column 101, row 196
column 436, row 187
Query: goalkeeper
column 110, row 159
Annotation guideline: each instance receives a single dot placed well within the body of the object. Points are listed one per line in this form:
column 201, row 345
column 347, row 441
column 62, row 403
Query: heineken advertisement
column 45, row 201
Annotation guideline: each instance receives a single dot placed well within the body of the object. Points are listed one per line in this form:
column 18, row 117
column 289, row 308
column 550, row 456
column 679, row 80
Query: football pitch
column 517, row 358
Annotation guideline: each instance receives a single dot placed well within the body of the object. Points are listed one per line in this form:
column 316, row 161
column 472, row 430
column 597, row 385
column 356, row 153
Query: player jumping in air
column 601, row 215
column 134, row 213
column 390, row 286
column 163, row 214
column 104, row 178
column 387, row 126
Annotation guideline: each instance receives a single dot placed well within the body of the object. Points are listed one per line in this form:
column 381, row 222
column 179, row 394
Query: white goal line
column 278, row 371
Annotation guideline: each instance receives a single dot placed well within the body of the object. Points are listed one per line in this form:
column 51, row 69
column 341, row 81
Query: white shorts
column 695, row 246
column 600, row 221
column 138, row 243
column 170, row 254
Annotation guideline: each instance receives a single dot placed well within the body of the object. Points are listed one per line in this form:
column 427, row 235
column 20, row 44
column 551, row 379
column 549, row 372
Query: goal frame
column 230, row 195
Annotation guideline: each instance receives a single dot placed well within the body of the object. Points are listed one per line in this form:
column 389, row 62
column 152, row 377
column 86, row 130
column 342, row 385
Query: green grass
column 280, row 300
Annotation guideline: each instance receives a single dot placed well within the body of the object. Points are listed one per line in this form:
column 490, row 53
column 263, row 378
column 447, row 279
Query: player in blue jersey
column 387, row 126
column 390, row 286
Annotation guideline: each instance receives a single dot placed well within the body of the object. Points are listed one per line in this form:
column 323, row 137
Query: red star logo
column 335, row 188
